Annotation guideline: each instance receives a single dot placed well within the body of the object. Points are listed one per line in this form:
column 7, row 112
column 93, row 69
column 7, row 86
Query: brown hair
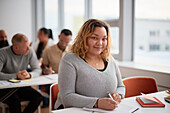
column 80, row 43
column 17, row 38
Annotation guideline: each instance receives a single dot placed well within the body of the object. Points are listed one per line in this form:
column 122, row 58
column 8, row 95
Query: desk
column 42, row 80
column 130, row 101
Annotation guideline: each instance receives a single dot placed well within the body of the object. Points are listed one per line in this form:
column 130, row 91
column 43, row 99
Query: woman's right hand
column 107, row 104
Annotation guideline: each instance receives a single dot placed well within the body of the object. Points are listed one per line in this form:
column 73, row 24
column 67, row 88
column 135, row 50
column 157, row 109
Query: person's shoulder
column 70, row 56
column 5, row 49
column 5, row 52
column 47, row 50
column 50, row 48
column 113, row 61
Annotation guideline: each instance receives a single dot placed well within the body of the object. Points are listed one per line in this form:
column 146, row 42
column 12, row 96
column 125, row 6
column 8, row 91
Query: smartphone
column 13, row 80
column 167, row 100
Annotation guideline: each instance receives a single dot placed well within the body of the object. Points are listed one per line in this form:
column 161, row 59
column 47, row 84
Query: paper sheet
column 42, row 80
column 122, row 108
column 149, row 97
column 147, row 101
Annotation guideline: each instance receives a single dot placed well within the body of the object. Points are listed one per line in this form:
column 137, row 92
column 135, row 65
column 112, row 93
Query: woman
column 45, row 40
column 88, row 73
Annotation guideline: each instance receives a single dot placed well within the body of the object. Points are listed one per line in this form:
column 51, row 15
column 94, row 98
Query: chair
column 53, row 96
column 135, row 85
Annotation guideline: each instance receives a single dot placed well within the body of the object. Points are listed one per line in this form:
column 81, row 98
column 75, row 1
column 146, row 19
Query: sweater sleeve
column 67, row 87
column 120, row 86
column 5, row 76
column 35, row 67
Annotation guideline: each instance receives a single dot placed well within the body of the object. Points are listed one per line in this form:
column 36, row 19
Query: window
column 61, row 14
column 154, row 33
column 51, row 17
column 152, row 26
column 168, row 33
column 167, row 47
column 109, row 12
column 105, row 10
column 73, row 15
column 114, row 31
column 154, row 47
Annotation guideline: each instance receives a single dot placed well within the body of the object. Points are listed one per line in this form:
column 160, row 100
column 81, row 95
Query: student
column 45, row 40
column 14, row 61
column 3, row 39
column 52, row 56
column 89, row 72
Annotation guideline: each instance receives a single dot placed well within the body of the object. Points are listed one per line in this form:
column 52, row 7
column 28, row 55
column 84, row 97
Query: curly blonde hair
column 80, row 43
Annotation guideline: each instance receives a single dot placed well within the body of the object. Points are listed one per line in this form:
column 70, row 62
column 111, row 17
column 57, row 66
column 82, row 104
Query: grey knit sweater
column 11, row 63
column 80, row 85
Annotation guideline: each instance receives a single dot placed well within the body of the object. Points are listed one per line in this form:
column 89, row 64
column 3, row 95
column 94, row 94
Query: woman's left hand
column 116, row 97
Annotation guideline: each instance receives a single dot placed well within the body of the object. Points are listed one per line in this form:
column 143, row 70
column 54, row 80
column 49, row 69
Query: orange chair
column 53, row 96
column 135, row 85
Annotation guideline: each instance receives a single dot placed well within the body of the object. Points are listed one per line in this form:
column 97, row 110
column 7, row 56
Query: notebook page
column 122, row 108
column 149, row 97
column 147, row 101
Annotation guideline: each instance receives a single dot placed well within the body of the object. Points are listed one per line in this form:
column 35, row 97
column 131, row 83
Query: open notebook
column 122, row 108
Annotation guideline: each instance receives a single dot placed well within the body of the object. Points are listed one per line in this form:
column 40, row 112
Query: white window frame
column 125, row 23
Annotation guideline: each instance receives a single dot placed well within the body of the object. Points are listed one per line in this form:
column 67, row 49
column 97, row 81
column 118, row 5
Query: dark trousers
column 26, row 93
column 47, row 89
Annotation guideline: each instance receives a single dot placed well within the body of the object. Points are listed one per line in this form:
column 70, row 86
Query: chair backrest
column 53, row 96
column 135, row 85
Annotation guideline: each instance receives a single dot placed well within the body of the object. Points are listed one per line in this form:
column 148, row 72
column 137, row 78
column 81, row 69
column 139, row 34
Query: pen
column 135, row 110
column 112, row 98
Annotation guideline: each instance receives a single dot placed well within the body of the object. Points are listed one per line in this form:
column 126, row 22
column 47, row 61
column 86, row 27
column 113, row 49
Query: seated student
column 45, row 37
column 14, row 61
column 45, row 40
column 52, row 56
column 89, row 72
column 3, row 39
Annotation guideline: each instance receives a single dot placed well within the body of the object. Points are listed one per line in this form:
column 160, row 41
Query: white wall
column 16, row 17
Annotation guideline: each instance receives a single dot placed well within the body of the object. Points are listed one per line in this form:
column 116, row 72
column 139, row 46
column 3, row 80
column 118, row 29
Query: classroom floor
column 43, row 110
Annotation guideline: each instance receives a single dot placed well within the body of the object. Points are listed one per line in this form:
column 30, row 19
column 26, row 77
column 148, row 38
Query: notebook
column 148, row 101
column 122, row 108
